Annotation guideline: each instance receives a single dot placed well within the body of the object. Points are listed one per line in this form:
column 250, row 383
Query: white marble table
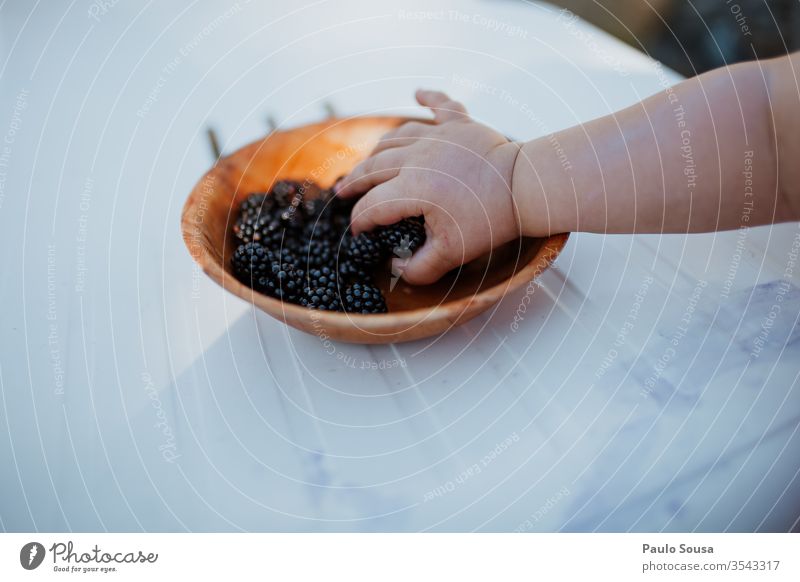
column 137, row 395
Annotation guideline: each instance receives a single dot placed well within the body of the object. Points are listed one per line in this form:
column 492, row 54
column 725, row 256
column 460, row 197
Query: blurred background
column 693, row 36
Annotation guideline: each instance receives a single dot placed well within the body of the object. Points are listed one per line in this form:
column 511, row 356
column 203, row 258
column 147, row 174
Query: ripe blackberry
column 251, row 261
column 293, row 215
column 363, row 298
column 284, row 279
column 298, row 248
column 322, row 290
column 272, row 234
column 284, row 191
column 402, row 237
column 340, row 219
column 342, row 205
column 320, row 229
column 365, row 250
column 248, row 228
column 313, row 208
column 350, row 272
column 256, row 204
column 255, row 213
column 338, row 211
column 317, row 253
column 272, row 273
column 294, row 245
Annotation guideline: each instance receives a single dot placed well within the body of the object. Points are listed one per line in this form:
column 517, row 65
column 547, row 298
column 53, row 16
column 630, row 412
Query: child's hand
column 456, row 172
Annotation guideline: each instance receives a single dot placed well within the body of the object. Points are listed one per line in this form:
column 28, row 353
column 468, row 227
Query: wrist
column 502, row 160
column 542, row 192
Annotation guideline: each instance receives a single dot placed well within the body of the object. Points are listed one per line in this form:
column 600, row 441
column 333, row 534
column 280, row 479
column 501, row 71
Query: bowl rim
column 548, row 251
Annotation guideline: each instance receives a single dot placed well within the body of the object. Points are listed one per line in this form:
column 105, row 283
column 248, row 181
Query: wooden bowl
column 322, row 152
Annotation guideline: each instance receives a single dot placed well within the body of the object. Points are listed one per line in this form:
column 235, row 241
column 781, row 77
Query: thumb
column 426, row 266
column 443, row 107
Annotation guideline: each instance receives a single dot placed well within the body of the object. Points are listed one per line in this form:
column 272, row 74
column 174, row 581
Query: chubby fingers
column 384, row 204
column 425, row 266
column 387, row 204
column 389, row 154
column 404, row 135
column 375, row 170
column 443, row 107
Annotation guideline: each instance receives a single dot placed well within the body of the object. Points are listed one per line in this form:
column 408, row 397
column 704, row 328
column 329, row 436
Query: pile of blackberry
column 294, row 243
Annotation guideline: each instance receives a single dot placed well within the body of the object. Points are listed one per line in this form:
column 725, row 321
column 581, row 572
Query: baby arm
column 671, row 163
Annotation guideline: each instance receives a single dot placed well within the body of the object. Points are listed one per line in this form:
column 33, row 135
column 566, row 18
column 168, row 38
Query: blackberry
column 248, row 228
column 320, row 230
column 250, row 262
column 284, row 191
column 340, row 221
column 272, row 234
column 297, row 246
column 401, row 237
column 317, row 253
column 293, row 216
column 363, row 298
column 365, row 250
column 313, row 208
column 312, row 199
column 254, row 215
column 350, row 272
column 256, row 204
column 339, row 211
column 322, row 290
column 341, row 205
column 281, row 278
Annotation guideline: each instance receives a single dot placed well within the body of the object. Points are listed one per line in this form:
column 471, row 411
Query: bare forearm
column 701, row 156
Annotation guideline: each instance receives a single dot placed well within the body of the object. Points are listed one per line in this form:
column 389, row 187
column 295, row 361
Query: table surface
column 651, row 385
